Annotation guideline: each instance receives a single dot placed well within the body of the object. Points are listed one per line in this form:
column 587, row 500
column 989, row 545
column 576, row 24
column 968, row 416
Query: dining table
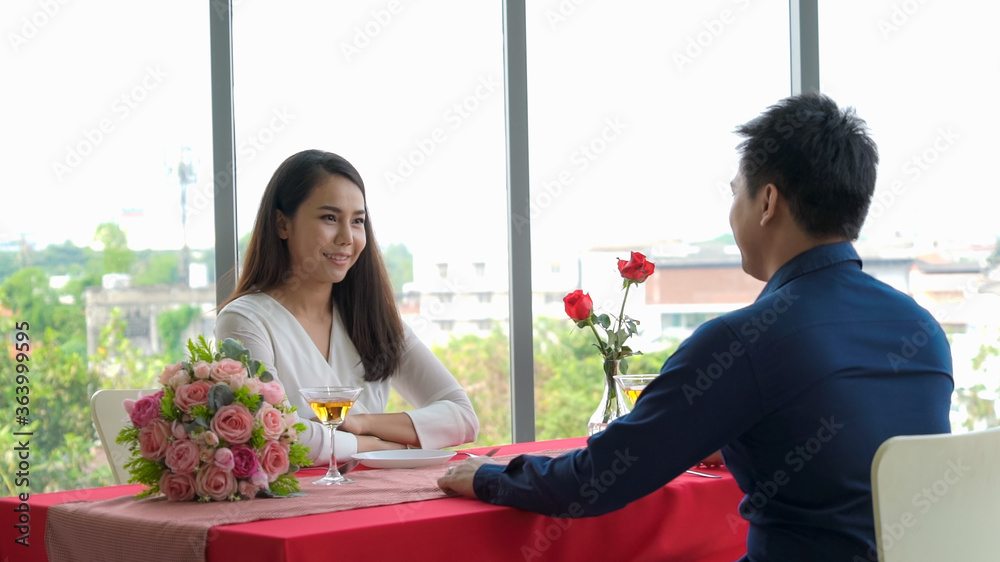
column 691, row 518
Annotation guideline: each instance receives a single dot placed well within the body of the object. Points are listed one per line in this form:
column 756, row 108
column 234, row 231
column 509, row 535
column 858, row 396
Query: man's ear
column 768, row 203
column 282, row 222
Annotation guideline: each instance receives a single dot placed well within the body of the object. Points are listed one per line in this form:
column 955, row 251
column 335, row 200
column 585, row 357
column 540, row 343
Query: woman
column 315, row 305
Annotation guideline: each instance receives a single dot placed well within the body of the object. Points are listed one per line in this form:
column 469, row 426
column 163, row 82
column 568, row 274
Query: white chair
column 937, row 497
column 109, row 418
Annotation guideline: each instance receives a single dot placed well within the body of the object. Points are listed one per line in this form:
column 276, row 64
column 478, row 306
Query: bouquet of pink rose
column 220, row 429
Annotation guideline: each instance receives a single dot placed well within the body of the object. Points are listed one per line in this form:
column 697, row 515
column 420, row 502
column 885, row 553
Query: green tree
column 159, row 268
column 118, row 258
column 8, row 265
column 399, row 262
column 63, row 259
column 64, row 447
column 568, row 379
column 171, row 324
column 979, row 401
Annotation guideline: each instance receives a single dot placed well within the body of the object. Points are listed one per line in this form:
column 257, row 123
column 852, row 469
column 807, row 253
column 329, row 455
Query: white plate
column 403, row 458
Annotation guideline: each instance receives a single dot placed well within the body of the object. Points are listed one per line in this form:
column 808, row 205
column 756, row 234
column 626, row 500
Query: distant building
column 452, row 297
column 141, row 306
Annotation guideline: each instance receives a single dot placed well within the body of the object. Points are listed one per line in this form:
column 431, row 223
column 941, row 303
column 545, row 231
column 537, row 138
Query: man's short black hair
column 821, row 159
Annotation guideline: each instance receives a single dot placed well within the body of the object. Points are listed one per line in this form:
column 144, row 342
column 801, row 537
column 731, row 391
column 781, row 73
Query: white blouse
column 443, row 416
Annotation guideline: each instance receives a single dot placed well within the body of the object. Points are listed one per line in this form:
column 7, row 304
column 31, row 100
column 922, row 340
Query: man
column 798, row 389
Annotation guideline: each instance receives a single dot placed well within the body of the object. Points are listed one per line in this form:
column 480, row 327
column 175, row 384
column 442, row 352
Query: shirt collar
column 809, row 261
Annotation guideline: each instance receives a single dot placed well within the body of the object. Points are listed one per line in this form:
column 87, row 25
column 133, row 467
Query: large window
column 108, row 229
column 412, row 95
column 631, row 111
column 924, row 76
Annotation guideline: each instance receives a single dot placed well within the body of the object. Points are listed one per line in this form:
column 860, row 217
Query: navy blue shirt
column 798, row 390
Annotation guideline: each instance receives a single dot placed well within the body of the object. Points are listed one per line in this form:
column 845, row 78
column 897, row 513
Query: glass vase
column 611, row 406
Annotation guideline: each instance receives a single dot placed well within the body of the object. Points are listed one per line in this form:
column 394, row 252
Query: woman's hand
column 395, row 427
column 368, row 443
column 356, row 424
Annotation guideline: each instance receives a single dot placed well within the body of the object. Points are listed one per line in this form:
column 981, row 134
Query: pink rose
column 182, row 377
column 271, row 420
column 289, row 436
column 229, row 371
column 274, row 460
column 207, row 453
column 145, row 410
column 183, row 456
column 191, row 395
column 201, row 370
column 259, row 479
column 210, row 438
column 233, row 423
column 153, row 439
column 177, row 429
column 177, row 487
column 247, row 489
column 244, row 461
column 224, row 459
column 253, row 385
column 213, row 482
column 273, row 393
column 168, row 372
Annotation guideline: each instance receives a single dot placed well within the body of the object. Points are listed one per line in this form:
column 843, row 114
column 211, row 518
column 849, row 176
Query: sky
column 631, row 111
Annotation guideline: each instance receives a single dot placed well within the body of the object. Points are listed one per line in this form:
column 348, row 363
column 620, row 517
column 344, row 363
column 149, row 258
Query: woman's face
column 327, row 233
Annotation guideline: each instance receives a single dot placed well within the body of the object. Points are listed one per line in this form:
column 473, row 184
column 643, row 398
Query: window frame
column 804, row 62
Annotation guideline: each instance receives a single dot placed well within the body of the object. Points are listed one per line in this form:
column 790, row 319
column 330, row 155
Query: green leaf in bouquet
column 235, row 350
column 251, row 401
column 284, row 486
column 129, row 435
column 200, row 350
column 298, row 454
column 257, row 439
column 265, row 376
column 168, row 410
column 623, row 366
column 220, row 395
column 201, row 411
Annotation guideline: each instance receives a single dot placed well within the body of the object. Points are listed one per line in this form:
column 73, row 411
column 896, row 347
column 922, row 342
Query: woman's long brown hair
column 364, row 298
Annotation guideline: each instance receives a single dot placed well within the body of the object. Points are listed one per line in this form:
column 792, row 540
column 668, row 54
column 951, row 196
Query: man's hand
column 458, row 479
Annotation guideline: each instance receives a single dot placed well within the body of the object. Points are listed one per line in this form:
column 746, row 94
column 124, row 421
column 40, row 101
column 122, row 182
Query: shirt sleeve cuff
column 486, row 482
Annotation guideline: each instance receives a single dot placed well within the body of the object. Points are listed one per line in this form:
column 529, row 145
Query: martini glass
column 632, row 386
column 331, row 404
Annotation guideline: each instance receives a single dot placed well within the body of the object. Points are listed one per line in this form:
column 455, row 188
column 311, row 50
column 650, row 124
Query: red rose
column 578, row 305
column 636, row 268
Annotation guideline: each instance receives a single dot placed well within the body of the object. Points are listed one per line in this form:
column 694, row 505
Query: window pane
column 924, row 76
column 632, row 107
column 107, row 235
column 412, row 95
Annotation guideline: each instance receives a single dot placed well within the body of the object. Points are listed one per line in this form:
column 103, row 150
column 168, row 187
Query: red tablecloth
column 690, row 519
